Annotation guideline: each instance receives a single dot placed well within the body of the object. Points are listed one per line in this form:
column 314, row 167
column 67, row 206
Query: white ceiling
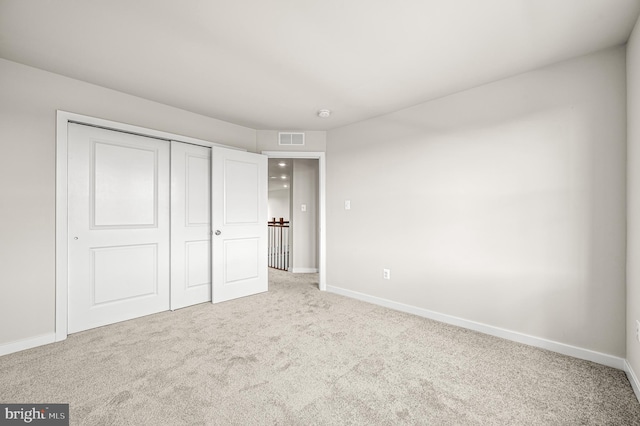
column 271, row 64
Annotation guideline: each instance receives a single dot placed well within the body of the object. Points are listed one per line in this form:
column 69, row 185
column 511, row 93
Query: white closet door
column 239, row 223
column 118, row 226
column 190, row 224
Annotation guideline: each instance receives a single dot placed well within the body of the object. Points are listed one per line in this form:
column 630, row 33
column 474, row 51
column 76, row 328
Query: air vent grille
column 290, row 138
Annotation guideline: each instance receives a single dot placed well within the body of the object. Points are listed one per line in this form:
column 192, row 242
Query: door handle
column 218, row 232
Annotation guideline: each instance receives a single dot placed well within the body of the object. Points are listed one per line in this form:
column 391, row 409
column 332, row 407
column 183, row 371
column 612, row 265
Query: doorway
column 321, row 217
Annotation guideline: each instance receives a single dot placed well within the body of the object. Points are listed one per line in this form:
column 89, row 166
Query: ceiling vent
column 289, row 138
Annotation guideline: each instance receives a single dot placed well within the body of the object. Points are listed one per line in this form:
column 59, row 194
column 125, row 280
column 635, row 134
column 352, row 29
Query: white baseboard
column 633, row 379
column 303, row 270
column 562, row 348
column 32, row 342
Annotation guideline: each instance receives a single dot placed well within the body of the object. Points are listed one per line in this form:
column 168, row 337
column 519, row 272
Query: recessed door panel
column 198, row 187
column 241, row 260
column 198, row 265
column 120, row 273
column 190, row 224
column 125, row 179
column 242, row 192
column 118, row 186
column 239, row 223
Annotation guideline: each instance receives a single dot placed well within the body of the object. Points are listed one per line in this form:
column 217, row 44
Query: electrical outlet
column 347, row 204
column 386, row 274
column 638, row 330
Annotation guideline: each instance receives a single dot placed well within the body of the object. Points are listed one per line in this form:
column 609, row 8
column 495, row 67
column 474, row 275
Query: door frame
column 63, row 119
column 322, row 243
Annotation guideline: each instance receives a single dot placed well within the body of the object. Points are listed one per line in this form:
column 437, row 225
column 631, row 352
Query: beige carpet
column 296, row 356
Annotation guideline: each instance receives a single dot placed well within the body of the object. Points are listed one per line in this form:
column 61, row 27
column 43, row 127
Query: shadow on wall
column 502, row 205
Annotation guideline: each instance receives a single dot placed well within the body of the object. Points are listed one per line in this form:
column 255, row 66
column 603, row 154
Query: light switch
column 303, row 207
column 347, row 204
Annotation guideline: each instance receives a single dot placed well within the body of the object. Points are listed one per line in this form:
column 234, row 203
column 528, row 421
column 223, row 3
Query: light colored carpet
column 298, row 356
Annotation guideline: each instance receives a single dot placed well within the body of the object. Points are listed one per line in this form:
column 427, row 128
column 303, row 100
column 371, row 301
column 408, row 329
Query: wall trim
column 303, row 270
column 31, row 342
column 633, row 379
column 562, row 348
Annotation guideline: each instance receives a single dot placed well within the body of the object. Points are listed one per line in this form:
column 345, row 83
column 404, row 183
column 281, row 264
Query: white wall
column 279, row 204
column 503, row 205
column 633, row 193
column 314, row 140
column 28, row 104
column 304, row 225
